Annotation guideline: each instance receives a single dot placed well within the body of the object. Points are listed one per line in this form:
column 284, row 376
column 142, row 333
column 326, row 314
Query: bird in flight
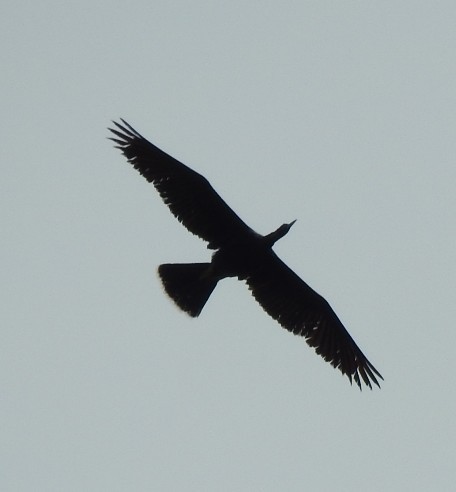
column 239, row 252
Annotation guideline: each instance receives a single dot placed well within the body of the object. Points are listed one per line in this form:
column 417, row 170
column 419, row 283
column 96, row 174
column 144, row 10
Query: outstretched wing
column 299, row 309
column 189, row 195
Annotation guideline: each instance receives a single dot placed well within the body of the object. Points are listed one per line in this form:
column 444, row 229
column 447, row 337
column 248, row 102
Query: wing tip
column 366, row 374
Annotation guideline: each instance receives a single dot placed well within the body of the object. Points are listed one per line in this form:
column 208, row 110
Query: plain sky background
column 341, row 114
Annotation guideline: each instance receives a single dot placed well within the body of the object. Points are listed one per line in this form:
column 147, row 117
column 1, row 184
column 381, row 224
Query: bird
column 242, row 253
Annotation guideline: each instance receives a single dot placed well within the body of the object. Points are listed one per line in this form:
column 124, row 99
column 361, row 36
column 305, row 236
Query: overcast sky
column 341, row 114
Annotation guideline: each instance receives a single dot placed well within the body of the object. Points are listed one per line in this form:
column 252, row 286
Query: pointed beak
column 291, row 223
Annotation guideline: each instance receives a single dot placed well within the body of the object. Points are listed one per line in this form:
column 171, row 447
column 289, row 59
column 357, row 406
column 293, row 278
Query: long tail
column 188, row 284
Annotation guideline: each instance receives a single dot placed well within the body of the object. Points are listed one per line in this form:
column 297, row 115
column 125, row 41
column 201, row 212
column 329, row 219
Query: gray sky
column 341, row 114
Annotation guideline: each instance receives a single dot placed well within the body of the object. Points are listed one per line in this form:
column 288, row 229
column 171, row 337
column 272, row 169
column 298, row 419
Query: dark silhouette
column 239, row 252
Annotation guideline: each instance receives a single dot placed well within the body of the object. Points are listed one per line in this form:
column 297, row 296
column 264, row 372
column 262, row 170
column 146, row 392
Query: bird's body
column 239, row 252
column 242, row 257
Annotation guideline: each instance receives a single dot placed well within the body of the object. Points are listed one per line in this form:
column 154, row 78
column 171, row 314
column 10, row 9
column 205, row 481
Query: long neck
column 271, row 238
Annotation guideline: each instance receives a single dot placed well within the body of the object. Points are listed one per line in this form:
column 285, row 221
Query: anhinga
column 239, row 252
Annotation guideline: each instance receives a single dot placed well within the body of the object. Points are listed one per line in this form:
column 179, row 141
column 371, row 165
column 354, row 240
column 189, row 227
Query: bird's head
column 287, row 227
column 273, row 237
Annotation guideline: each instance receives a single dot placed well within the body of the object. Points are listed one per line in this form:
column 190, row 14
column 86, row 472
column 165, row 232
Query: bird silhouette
column 239, row 252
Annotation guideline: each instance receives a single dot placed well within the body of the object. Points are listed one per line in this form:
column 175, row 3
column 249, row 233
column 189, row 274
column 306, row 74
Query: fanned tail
column 188, row 284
